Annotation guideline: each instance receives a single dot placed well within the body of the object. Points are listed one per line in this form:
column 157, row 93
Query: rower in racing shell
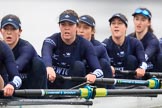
column 86, row 29
column 144, row 33
column 10, row 79
column 126, row 53
column 30, row 66
column 64, row 52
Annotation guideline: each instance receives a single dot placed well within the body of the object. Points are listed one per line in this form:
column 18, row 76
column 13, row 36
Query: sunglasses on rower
column 143, row 12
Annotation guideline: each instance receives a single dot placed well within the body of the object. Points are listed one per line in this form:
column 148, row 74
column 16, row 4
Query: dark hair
column 150, row 29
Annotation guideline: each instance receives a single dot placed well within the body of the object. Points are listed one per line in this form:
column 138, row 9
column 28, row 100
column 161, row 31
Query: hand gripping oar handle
column 86, row 92
column 83, row 79
column 133, row 73
column 147, row 74
column 152, row 83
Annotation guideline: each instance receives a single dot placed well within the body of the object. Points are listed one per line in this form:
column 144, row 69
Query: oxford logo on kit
column 10, row 19
column 67, row 16
column 84, row 18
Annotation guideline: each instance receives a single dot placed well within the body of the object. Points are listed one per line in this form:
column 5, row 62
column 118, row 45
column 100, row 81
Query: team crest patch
column 67, row 54
column 9, row 19
column 67, row 16
column 84, row 18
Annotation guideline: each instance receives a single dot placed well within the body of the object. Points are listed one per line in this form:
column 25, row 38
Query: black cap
column 86, row 19
column 121, row 16
column 68, row 17
column 12, row 20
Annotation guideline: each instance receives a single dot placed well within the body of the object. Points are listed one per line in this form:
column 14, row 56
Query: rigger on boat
column 112, row 98
column 90, row 96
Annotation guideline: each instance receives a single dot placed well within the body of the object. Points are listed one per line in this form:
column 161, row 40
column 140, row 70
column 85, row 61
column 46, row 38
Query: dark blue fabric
column 62, row 57
column 104, row 60
column 103, row 57
column 7, row 63
column 30, row 65
column 131, row 63
column 119, row 55
column 59, row 53
column 158, row 63
column 24, row 52
column 152, row 49
column 37, row 77
column 77, row 69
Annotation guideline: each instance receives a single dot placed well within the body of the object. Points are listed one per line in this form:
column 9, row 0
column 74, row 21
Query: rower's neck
column 119, row 41
column 140, row 35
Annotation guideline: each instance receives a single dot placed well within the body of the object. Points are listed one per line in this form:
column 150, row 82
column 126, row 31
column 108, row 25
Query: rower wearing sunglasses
column 126, row 53
column 144, row 33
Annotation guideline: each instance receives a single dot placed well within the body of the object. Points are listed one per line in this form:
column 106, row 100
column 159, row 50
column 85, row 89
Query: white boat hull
column 105, row 102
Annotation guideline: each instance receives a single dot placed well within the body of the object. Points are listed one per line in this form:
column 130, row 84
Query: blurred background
column 40, row 17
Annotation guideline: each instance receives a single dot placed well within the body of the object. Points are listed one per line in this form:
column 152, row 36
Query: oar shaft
column 85, row 92
column 134, row 91
column 45, row 92
column 110, row 81
column 157, row 74
column 113, row 81
column 80, row 79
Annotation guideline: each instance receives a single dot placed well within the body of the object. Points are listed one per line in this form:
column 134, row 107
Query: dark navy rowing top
column 61, row 56
column 7, row 61
column 100, row 49
column 151, row 45
column 24, row 52
column 117, row 54
column 102, row 54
